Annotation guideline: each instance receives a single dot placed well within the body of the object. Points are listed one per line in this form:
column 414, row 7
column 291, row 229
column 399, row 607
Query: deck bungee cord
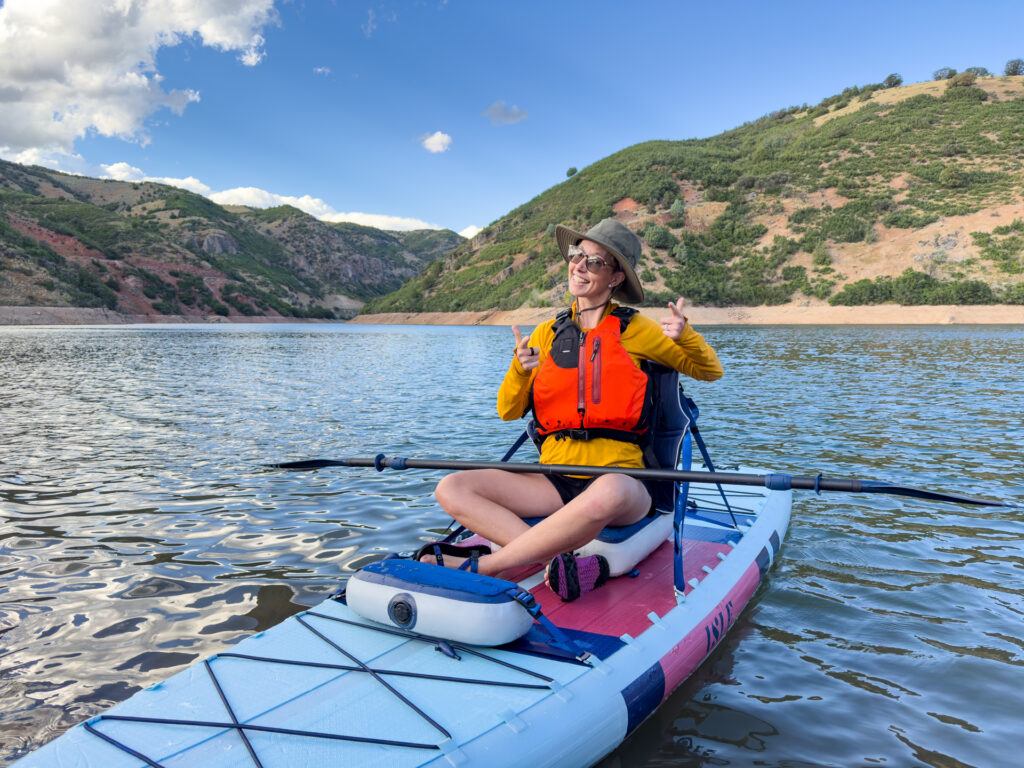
column 451, row 650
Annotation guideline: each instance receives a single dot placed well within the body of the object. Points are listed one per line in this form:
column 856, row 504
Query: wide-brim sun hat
column 620, row 241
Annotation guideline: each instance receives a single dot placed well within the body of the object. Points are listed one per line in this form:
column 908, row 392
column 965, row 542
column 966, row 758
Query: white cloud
column 382, row 221
column 470, row 232
column 123, row 172
column 254, row 197
column 500, row 114
column 436, row 142
column 68, row 163
column 325, row 71
column 69, row 67
column 253, row 53
column 191, row 183
column 127, row 172
column 371, row 23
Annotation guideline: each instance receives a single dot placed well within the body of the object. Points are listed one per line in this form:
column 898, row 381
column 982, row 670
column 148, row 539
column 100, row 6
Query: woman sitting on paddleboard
column 581, row 371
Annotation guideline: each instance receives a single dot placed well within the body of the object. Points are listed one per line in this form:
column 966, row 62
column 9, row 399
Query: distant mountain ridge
column 907, row 194
column 143, row 248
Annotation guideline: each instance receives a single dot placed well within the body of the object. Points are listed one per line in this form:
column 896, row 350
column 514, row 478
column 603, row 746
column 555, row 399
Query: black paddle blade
column 308, row 464
column 868, row 486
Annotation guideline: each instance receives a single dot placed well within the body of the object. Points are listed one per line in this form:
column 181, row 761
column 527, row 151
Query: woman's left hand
column 673, row 325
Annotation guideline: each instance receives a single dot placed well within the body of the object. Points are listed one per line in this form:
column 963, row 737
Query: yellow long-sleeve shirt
column 643, row 340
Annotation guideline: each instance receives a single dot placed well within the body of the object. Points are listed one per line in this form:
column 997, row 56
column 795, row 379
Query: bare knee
column 612, row 499
column 456, row 488
column 450, row 489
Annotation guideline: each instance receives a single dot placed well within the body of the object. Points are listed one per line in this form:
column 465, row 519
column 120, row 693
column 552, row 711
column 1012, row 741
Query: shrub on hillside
column 783, row 247
column 952, row 177
column 167, row 307
column 1014, row 294
column 965, row 94
column 796, row 274
column 658, row 236
column 803, row 216
column 963, row 80
column 978, row 71
column 845, row 228
column 773, row 182
column 906, row 218
column 892, row 81
column 571, row 172
column 1014, row 67
column 943, row 73
column 1004, row 246
column 678, row 208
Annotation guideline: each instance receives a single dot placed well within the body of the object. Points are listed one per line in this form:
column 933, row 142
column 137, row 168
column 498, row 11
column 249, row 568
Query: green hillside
column 909, row 194
column 145, row 248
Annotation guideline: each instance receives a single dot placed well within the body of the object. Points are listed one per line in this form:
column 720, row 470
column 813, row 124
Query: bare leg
column 496, row 506
column 492, row 502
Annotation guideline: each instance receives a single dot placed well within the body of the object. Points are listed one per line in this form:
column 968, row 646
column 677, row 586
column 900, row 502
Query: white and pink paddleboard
column 329, row 687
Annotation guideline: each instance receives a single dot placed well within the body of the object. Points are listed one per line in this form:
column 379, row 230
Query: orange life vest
column 588, row 386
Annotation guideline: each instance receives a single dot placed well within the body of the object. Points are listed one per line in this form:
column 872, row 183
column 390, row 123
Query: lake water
column 139, row 532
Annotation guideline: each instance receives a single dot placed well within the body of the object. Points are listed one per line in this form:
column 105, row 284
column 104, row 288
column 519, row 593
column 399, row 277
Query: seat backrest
column 669, row 425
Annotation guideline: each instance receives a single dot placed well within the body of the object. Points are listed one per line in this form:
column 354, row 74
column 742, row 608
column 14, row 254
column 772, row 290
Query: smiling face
column 593, row 288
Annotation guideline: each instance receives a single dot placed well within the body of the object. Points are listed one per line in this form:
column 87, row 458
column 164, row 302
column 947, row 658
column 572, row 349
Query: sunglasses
column 593, row 263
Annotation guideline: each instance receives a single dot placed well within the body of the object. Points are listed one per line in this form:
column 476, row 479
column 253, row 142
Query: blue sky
column 431, row 113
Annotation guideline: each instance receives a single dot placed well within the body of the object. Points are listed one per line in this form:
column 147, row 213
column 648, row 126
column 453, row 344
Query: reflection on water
column 140, row 532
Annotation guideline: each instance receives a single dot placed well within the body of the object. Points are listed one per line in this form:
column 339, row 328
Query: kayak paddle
column 772, row 481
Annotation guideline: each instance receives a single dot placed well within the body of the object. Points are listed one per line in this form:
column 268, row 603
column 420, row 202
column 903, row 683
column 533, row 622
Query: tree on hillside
column 1014, row 67
column 893, row 80
column 943, row 73
column 978, row 71
column 571, row 172
column 678, row 209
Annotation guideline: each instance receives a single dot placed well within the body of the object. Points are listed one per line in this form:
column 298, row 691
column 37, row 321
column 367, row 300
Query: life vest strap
column 563, row 318
column 593, row 434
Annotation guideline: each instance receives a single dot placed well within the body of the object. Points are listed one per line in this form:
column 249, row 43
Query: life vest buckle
column 577, row 434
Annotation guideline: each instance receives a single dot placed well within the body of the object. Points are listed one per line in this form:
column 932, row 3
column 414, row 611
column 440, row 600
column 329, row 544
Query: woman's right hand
column 528, row 357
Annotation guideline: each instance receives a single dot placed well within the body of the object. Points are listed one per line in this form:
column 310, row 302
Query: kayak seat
column 625, row 546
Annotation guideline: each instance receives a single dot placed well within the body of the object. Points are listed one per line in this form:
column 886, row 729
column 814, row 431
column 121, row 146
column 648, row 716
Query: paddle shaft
column 771, row 481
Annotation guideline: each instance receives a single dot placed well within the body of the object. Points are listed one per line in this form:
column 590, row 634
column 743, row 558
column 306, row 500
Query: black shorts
column 570, row 487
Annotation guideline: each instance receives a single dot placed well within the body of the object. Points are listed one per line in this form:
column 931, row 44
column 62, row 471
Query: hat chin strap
column 579, row 311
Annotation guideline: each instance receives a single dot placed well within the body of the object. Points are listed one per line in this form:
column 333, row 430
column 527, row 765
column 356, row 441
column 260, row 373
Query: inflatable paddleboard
column 330, row 687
